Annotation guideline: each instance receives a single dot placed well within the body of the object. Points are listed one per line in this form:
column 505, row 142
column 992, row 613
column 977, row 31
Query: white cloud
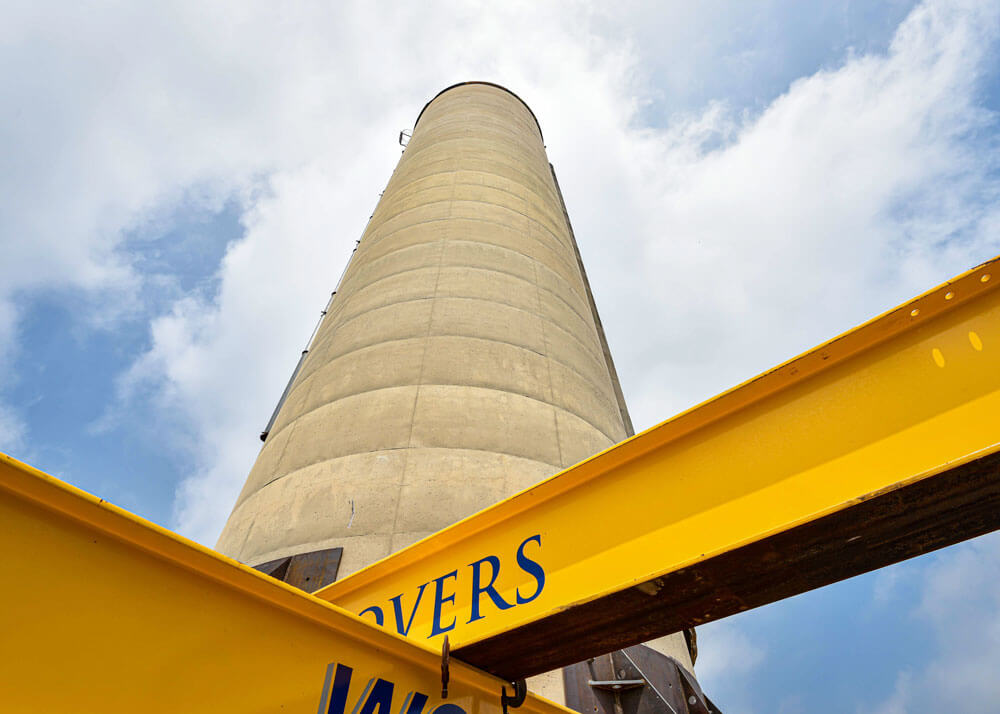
column 11, row 431
column 726, row 651
column 962, row 604
column 727, row 661
column 898, row 701
column 725, row 244
column 114, row 116
column 959, row 604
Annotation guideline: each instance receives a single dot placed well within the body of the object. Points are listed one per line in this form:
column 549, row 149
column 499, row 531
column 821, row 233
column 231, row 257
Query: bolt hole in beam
column 855, row 455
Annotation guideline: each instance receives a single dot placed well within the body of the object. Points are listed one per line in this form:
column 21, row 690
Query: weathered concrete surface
column 460, row 361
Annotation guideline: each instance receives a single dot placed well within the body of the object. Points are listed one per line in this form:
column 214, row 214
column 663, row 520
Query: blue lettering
column 338, row 696
column 414, row 703
column 449, row 708
column 380, row 698
column 478, row 590
column 531, row 568
column 376, row 697
column 439, row 600
column 397, row 606
column 377, row 612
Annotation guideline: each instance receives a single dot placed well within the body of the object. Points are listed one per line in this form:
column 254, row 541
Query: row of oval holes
column 974, row 339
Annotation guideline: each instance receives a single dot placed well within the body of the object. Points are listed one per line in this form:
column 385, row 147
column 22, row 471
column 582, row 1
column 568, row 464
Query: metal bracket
column 520, row 693
column 616, row 685
column 445, row 653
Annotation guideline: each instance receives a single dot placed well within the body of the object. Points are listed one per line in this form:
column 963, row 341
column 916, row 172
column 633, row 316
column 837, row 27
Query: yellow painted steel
column 101, row 611
column 907, row 395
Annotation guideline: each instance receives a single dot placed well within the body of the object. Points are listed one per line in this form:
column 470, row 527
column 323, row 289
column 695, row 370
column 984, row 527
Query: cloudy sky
column 182, row 183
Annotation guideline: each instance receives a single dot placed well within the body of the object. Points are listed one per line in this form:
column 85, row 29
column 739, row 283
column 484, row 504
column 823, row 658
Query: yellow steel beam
column 874, row 447
column 103, row 612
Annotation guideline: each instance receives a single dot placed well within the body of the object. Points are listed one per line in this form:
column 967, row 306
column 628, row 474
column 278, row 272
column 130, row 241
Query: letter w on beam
column 877, row 446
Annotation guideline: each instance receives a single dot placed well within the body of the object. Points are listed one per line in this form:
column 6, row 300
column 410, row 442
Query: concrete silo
column 461, row 360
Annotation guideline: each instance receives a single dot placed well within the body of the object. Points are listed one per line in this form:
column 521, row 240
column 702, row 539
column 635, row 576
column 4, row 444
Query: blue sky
column 181, row 185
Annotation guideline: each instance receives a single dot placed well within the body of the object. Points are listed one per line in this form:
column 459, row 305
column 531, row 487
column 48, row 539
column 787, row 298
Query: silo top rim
column 488, row 84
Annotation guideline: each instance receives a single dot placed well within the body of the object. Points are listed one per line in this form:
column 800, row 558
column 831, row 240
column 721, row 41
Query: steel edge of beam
column 891, row 323
column 52, row 494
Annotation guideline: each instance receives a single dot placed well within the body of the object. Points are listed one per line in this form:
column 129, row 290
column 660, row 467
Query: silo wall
column 461, row 359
